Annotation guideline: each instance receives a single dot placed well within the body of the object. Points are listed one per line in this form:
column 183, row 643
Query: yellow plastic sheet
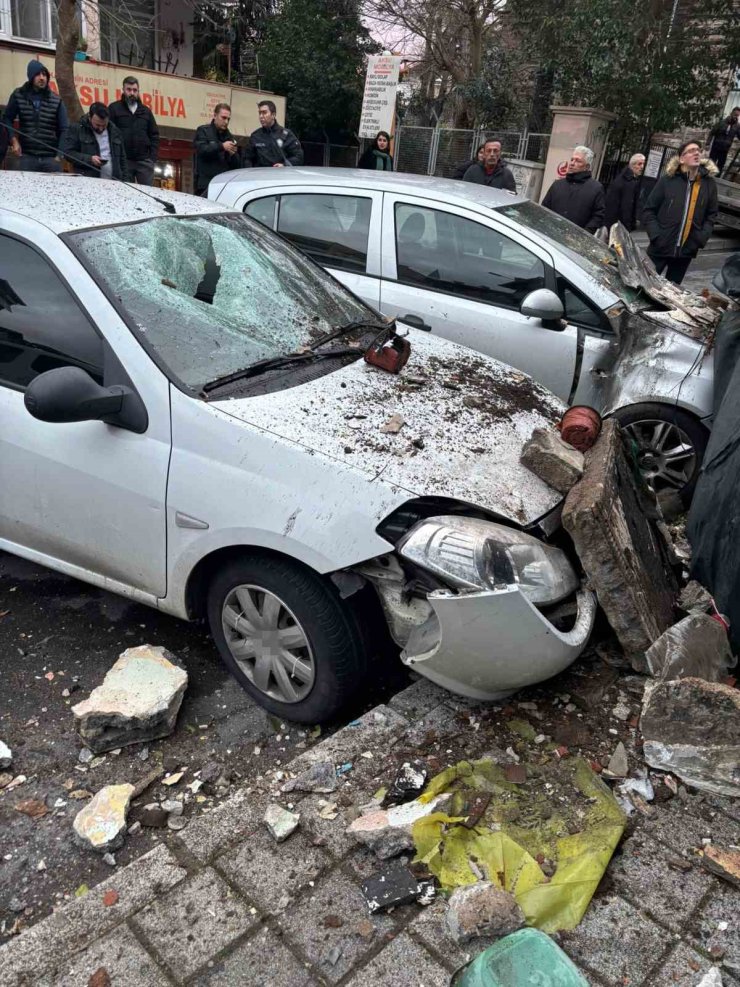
column 494, row 847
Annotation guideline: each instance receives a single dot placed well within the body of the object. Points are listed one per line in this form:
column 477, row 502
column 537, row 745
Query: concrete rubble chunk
column 482, row 909
column 6, row 755
column 692, row 728
column 281, row 822
column 138, row 701
column 101, row 824
column 618, row 766
column 552, row 460
column 387, row 832
column 711, row 979
column 694, row 598
column 724, row 863
column 320, row 777
column 695, row 647
column 620, row 550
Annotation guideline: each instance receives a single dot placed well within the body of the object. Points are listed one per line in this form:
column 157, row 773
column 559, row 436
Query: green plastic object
column 527, row 958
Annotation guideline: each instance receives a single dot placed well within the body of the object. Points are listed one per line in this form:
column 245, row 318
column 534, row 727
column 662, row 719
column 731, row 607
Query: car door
column 338, row 228
column 84, row 497
column 466, row 279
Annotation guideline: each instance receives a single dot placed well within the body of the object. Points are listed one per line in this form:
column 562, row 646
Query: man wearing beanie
column 680, row 212
column 41, row 118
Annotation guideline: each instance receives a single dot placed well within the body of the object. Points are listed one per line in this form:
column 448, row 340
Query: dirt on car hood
column 451, row 424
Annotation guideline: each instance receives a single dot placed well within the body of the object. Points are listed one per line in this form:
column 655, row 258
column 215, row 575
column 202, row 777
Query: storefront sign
column 379, row 100
column 174, row 100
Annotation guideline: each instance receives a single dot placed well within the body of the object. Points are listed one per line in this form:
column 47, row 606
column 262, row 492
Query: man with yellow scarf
column 680, row 213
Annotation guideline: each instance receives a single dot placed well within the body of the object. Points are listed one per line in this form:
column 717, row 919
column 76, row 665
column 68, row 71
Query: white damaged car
column 188, row 420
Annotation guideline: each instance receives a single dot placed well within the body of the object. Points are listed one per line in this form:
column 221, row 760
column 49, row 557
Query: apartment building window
column 35, row 20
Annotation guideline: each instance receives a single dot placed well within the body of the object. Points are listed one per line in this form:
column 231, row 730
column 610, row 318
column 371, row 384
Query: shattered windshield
column 581, row 247
column 214, row 294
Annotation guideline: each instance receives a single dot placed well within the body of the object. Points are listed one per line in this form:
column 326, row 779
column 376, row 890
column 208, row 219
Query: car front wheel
column 286, row 637
column 670, row 445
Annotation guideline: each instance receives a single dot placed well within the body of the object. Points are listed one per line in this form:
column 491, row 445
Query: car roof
column 384, row 181
column 70, row 202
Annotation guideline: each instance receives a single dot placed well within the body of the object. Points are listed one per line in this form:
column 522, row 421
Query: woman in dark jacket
column 622, row 194
column 680, row 214
column 459, row 172
column 378, row 156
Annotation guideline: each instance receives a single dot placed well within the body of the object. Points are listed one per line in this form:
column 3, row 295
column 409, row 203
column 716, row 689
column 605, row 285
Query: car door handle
column 415, row 321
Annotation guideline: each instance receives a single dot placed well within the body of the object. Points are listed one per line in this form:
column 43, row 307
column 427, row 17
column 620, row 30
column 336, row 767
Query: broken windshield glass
column 213, row 294
column 582, row 248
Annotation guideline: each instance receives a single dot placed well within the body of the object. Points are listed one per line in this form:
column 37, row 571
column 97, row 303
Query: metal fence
column 431, row 150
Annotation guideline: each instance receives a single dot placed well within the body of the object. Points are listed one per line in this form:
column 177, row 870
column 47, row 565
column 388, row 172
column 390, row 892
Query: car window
column 213, row 294
column 577, row 309
column 263, row 210
column 41, row 324
column 332, row 229
column 585, row 250
column 453, row 254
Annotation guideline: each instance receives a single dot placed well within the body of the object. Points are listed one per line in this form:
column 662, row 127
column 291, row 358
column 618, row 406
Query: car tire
column 309, row 640
column 661, row 431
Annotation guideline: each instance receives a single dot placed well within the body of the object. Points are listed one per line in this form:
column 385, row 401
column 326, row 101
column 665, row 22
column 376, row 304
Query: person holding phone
column 215, row 148
column 94, row 146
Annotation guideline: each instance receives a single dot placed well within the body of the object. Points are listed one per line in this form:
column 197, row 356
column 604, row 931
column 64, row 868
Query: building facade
column 155, row 40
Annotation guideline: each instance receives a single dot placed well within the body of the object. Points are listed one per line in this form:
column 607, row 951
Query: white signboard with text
column 379, row 99
column 652, row 165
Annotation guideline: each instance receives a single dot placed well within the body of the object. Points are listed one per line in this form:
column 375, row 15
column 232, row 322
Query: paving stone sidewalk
column 224, row 905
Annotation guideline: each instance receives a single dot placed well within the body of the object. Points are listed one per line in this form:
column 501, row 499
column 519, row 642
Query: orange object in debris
column 580, row 427
column 389, row 353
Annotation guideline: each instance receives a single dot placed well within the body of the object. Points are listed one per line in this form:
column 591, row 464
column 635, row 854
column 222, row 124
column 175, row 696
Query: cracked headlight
column 474, row 554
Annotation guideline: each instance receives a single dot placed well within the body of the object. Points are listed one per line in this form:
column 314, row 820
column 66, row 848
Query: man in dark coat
column 216, row 149
column 139, row 131
column 493, row 170
column 723, row 135
column 272, row 146
column 578, row 197
column 622, row 194
column 459, row 173
column 680, row 213
column 95, row 147
column 42, row 121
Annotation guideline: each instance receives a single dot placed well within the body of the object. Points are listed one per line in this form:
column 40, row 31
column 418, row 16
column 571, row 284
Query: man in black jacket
column 578, row 197
column 622, row 194
column 680, row 213
column 493, row 170
column 459, row 173
column 723, row 135
column 95, row 147
column 42, row 121
column 139, row 131
column 272, row 146
column 216, row 149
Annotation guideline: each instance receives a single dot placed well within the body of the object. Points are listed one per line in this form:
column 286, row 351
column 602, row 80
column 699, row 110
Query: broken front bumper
column 486, row 645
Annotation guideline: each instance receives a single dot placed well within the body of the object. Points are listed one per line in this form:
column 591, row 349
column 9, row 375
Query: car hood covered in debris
column 451, row 424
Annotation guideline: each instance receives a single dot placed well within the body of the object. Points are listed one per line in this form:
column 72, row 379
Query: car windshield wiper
column 276, row 363
column 351, row 327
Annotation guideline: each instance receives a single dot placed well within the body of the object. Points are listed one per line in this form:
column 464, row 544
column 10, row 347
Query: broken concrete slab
column 619, row 548
column 101, row 824
column 138, row 701
column 281, row 822
column 722, row 862
column 693, row 598
column 618, row 766
column 6, row 755
column 552, row 459
column 692, row 728
column 387, row 832
column 320, row 777
column 482, row 909
column 695, row 647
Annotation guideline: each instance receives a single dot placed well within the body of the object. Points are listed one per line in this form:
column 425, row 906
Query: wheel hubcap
column 268, row 643
column 665, row 454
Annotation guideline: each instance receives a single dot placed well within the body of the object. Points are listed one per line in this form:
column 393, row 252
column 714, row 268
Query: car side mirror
column 69, row 394
column 543, row 304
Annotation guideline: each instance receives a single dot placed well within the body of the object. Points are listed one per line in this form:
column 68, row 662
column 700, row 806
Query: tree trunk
column 67, row 38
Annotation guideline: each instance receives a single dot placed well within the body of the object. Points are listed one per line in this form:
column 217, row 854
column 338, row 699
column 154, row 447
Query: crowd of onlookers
column 121, row 141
